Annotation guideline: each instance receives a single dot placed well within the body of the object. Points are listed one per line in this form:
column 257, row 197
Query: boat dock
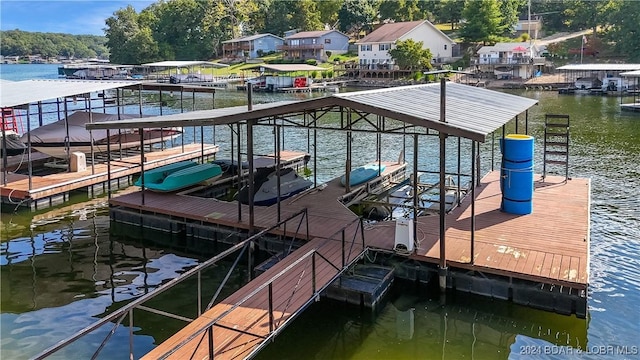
column 540, row 259
column 44, row 191
column 510, row 261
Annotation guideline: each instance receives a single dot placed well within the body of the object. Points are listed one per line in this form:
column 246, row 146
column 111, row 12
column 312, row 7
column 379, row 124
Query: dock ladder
column 556, row 143
column 10, row 121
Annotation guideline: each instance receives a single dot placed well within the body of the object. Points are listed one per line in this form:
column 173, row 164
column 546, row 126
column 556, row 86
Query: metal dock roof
column 30, row 91
column 471, row 112
column 600, row 67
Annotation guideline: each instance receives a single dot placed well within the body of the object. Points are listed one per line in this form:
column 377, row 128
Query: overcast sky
column 78, row 17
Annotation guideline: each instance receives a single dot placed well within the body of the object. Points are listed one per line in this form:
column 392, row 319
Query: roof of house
column 312, row 34
column 391, row 32
column 507, row 46
column 250, row 38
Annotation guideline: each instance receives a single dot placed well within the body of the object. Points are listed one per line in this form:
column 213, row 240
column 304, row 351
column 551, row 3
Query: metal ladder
column 556, row 143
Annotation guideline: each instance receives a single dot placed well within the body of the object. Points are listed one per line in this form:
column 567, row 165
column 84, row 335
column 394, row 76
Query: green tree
column 625, row 32
column 356, row 15
column 410, row 55
column 510, row 10
column 121, row 27
column 583, row 14
column 483, row 21
column 306, row 16
column 329, row 11
column 449, row 11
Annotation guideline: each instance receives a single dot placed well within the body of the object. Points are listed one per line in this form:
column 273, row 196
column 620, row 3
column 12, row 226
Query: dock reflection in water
column 67, row 272
column 416, row 325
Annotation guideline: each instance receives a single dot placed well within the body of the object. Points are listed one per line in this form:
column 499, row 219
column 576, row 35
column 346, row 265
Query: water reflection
column 416, row 325
column 56, row 280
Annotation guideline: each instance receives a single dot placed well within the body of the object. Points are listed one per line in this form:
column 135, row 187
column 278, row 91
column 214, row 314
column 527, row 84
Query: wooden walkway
column 550, row 245
column 17, row 188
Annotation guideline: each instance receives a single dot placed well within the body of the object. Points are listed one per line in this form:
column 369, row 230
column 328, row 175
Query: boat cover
column 56, row 132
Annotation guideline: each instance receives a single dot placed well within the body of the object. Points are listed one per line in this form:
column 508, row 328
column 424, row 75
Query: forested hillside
column 195, row 29
column 22, row 43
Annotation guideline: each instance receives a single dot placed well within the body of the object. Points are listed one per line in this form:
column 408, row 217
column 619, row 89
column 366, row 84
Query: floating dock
column 540, row 260
column 50, row 190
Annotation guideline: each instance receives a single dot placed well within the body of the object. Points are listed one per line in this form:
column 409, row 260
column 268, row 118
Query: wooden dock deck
column 549, row 246
column 53, row 189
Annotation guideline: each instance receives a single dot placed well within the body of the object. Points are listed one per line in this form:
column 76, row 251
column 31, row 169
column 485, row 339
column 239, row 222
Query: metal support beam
column 442, row 267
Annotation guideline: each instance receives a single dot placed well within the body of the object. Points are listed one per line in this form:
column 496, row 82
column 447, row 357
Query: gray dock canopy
column 31, row 91
column 471, row 112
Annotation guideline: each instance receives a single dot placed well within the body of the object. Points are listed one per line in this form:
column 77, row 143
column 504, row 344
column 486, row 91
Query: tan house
column 373, row 49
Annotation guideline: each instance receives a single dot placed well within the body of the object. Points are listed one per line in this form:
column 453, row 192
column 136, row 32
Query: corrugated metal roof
column 471, row 112
column 183, row 64
column 292, row 67
column 228, row 115
column 600, row 67
column 635, row 73
column 250, row 38
column 31, row 91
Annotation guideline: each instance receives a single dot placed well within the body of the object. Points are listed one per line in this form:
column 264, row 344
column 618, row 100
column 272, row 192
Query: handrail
column 208, row 327
column 162, row 288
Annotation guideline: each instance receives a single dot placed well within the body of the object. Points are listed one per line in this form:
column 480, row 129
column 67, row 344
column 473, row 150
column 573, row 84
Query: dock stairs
column 556, row 144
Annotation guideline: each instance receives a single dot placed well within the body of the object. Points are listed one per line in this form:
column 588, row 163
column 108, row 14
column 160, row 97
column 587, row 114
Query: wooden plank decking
column 49, row 185
column 290, row 293
column 549, row 245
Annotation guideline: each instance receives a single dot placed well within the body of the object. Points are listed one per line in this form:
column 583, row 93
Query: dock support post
column 142, row 163
column 210, row 333
column 109, row 165
column 30, row 166
column 473, row 201
column 277, row 153
column 270, row 307
column 442, row 267
column 131, row 334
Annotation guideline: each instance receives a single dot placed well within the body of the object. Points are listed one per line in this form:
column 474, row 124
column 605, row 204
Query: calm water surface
column 61, row 270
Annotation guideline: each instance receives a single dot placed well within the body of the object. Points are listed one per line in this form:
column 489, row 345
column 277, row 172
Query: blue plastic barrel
column 516, row 180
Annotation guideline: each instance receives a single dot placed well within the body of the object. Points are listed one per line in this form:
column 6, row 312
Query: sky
column 77, row 17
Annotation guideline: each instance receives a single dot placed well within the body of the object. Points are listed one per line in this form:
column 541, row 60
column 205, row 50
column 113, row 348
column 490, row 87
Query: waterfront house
column 509, row 60
column 373, row 49
column 314, row 44
column 251, row 47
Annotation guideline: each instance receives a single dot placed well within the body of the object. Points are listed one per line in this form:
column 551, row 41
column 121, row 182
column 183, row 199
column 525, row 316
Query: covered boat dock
column 40, row 101
column 540, row 259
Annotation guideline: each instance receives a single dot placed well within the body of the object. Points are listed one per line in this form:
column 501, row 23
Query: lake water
column 61, row 270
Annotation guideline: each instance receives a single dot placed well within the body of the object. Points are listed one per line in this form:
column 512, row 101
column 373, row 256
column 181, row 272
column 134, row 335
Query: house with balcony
column 510, row 60
column 314, row 45
column 373, row 49
column 251, row 47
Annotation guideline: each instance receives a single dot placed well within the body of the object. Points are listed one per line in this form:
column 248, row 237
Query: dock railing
column 119, row 315
column 277, row 325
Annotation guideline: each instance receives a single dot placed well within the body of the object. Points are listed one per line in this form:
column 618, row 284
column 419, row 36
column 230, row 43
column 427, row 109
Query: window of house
column 445, row 46
column 384, row 47
column 365, row 47
column 327, row 41
column 295, row 42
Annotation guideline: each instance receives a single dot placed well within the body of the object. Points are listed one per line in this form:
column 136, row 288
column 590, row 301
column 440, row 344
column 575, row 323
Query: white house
column 513, row 59
column 373, row 49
